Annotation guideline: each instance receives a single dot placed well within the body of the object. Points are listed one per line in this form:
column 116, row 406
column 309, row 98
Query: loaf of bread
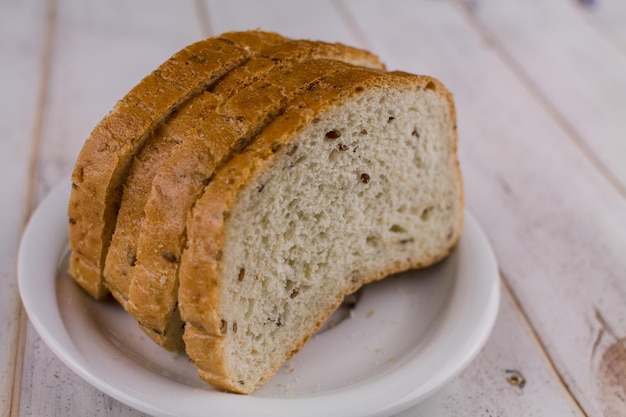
column 171, row 169
column 298, row 175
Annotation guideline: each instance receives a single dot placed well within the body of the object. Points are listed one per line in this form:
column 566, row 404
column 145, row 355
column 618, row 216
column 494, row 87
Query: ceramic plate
column 406, row 336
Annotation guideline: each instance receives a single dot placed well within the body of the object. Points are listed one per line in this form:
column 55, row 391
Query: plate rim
column 62, row 346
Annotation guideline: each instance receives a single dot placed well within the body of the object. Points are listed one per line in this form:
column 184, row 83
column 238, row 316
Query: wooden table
column 540, row 89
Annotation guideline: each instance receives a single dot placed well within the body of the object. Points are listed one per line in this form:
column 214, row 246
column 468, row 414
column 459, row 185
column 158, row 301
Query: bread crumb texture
column 369, row 188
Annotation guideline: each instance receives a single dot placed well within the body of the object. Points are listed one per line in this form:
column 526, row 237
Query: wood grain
column 540, row 92
column 558, row 52
column 22, row 25
column 608, row 17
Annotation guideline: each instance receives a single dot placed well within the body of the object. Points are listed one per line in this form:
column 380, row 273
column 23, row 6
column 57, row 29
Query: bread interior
column 369, row 188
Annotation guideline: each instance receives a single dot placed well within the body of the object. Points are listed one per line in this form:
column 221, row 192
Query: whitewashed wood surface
column 540, row 89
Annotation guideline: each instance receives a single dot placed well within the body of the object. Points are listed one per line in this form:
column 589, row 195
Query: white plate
column 406, row 337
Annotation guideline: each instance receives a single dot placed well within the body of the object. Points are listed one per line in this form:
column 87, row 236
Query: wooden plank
column 22, row 25
column 608, row 16
column 558, row 226
column 56, row 391
column 571, row 66
column 101, row 50
column 317, row 20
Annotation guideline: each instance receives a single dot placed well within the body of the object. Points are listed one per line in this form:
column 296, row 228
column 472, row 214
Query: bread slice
column 210, row 128
column 104, row 160
column 357, row 179
column 122, row 252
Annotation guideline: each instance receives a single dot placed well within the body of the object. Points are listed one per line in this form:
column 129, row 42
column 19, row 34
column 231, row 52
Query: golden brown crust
column 105, row 158
column 123, row 252
column 214, row 132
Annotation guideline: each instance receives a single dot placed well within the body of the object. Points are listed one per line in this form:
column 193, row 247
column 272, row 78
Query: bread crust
column 224, row 127
column 156, row 309
column 104, row 160
column 200, row 285
column 122, row 253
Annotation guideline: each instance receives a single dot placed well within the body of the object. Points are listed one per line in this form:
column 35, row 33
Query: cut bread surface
column 357, row 180
column 174, row 165
column 105, row 158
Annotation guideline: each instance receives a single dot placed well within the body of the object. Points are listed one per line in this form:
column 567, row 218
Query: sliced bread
column 214, row 124
column 122, row 252
column 356, row 179
column 105, row 158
